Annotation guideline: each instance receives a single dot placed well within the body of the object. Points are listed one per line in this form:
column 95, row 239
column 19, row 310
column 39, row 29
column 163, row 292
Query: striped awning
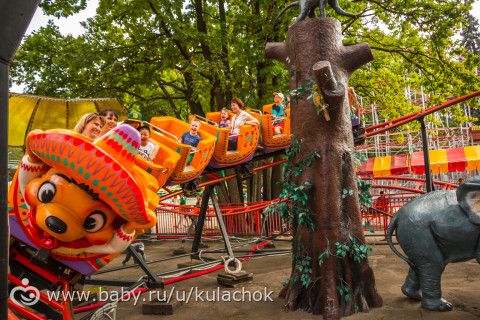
column 384, row 166
column 447, row 160
column 441, row 161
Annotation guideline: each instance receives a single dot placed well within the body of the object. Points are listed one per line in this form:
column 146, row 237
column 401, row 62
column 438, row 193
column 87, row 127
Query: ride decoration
column 85, row 201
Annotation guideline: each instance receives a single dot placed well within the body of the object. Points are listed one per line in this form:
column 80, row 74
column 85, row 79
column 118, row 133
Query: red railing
column 239, row 220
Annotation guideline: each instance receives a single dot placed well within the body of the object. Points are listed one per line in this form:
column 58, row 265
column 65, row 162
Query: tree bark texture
column 314, row 51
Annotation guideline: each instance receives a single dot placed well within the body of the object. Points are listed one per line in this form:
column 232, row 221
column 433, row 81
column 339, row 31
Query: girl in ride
column 240, row 118
column 111, row 118
column 224, row 115
column 90, row 125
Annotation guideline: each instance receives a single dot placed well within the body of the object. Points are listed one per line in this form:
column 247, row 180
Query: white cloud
column 70, row 25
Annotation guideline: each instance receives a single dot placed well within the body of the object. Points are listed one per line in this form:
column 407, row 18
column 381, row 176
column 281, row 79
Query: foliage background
column 180, row 57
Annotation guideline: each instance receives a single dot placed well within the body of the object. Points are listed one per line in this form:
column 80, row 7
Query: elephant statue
column 433, row 230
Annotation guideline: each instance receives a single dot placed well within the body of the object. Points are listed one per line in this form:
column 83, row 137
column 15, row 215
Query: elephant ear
column 468, row 197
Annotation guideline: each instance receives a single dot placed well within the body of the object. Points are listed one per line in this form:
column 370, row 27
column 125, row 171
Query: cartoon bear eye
column 95, row 221
column 46, row 192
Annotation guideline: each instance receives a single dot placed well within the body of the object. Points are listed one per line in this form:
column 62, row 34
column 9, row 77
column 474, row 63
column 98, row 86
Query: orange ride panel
column 247, row 142
column 272, row 141
column 172, row 130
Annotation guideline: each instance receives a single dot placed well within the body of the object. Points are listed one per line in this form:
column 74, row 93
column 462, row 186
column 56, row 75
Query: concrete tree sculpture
column 330, row 270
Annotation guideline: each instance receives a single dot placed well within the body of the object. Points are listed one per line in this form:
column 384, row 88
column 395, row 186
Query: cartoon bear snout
column 55, row 224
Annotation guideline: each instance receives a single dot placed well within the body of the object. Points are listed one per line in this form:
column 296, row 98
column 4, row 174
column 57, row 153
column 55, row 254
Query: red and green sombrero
column 105, row 165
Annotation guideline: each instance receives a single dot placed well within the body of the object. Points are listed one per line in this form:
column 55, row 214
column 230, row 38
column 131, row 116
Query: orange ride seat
column 171, row 130
column 246, row 145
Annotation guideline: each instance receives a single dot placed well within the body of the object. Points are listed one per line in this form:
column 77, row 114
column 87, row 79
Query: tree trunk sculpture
column 314, row 51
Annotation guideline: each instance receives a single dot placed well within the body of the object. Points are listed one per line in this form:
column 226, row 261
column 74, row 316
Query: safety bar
column 255, row 110
column 205, row 119
column 171, row 135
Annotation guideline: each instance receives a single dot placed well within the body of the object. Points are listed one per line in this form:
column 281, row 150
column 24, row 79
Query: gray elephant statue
column 433, row 230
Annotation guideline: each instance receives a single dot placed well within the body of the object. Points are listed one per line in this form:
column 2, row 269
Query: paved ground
column 461, row 286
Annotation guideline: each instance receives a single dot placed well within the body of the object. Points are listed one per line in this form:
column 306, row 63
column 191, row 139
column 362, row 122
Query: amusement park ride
column 71, row 194
column 74, row 204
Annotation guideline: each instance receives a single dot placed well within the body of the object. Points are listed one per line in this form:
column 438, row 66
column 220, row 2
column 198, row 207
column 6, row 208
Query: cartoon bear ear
column 469, row 200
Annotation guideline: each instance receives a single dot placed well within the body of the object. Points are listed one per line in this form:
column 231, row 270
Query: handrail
column 164, row 132
column 205, row 119
column 255, row 110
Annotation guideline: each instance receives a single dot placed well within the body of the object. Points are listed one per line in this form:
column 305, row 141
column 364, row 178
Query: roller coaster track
column 395, row 123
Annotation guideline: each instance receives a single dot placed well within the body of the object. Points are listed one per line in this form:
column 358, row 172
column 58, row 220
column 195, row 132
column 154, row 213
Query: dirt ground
column 460, row 283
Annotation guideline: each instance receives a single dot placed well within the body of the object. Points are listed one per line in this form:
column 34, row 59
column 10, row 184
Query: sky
column 71, row 25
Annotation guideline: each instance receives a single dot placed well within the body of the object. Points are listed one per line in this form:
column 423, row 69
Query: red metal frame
column 392, row 124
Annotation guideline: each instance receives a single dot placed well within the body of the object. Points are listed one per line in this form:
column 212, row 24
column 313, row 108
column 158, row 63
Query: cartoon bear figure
column 84, row 198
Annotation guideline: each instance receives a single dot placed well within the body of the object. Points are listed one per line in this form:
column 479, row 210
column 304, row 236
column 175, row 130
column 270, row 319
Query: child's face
column 111, row 116
column 145, row 135
column 194, row 126
column 224, row 115
column 110, row 120
column 134, row 124
column 277, row 99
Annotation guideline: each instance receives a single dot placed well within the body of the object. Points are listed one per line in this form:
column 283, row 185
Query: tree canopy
column 179, row 57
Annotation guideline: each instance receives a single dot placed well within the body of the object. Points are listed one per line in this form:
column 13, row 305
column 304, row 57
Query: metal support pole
column 14, row 19
column 221, row 224
column 153, row 280
column 201, row 217
column 4, row 235
column 426, row 156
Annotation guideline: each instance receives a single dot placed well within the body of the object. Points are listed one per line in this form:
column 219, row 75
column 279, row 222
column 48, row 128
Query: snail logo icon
column 25, row 295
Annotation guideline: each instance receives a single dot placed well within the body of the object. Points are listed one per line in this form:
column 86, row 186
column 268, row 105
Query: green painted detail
column 109, row 194
column 58, row 159
column 95, row 182
column 80, row 170
column 122, row 211
column 115, row 200
column 119, row 205
column 65, row 162
column 87, row 175
column 24, row 206
column 126, row 146
column 100, row 262
column 125, row 215
column 104, row 189
column 249, row 138
column 149, row 170
column 9, row 208
column 72, row 165
column 47, row 156
column 178, row 150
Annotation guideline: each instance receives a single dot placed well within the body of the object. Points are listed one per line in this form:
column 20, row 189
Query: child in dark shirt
column 192, row 138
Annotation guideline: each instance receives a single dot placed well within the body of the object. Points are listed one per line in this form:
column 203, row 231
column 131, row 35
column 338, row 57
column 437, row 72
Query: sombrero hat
column 106, row 165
